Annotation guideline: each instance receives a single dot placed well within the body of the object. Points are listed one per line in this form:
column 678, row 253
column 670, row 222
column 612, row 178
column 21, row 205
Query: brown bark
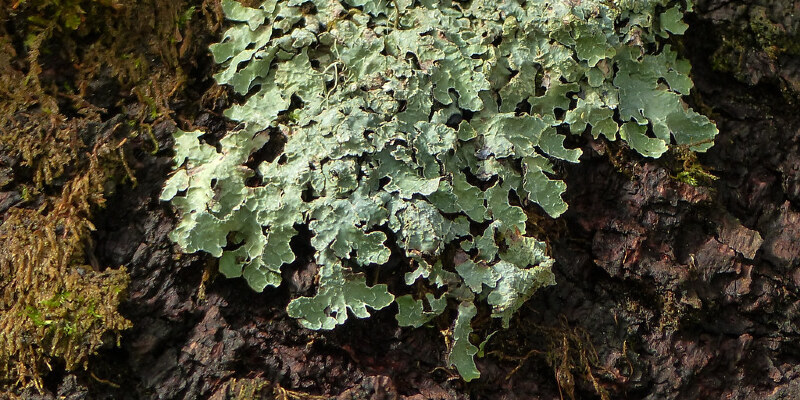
column 664, row 290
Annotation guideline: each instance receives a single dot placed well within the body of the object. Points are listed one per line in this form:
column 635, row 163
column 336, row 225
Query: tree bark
column 665, row 290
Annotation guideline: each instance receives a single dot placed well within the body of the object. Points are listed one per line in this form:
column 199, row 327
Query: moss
column 566, row 349
column 729, row 56
column 81, row 36
column 55, row 306
column 774, row 37
column 245, row 389
column 758, row 44
column 45, row 145
column 259, row 388
column 687, row 168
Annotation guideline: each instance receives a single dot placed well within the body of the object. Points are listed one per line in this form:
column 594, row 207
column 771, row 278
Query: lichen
column 420, row 129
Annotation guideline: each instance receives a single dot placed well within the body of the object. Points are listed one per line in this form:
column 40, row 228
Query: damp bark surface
column 665, row 290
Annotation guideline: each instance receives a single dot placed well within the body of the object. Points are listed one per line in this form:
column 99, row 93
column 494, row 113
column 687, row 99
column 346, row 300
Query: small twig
column 104, row 381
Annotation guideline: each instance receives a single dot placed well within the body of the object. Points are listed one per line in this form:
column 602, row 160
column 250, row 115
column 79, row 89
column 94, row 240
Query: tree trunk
column 677, row 278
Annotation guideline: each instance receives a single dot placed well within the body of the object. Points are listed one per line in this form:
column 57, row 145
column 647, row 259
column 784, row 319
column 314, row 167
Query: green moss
column 259, row 388
column 772, row 36
column 695, row 174
column 186, row 16
column 687, row 168
column 760, row 34
column 54, row 305
column 729, row 56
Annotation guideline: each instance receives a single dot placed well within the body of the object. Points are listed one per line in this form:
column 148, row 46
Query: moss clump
column 772, row 34
column 687, row 168
column 53, row 304
column 759, row 43
column 259, row 388
column 567, row 350
column 45, row 145
column 68, row 66
column 90, row 54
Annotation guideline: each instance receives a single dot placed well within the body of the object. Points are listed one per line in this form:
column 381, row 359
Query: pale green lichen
column 429, row 122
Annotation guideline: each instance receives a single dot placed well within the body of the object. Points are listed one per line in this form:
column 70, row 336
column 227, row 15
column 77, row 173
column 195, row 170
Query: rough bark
column 664, row 290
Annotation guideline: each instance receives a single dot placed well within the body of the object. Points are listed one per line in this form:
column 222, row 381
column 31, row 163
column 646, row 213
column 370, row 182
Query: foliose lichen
column 421, row 128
